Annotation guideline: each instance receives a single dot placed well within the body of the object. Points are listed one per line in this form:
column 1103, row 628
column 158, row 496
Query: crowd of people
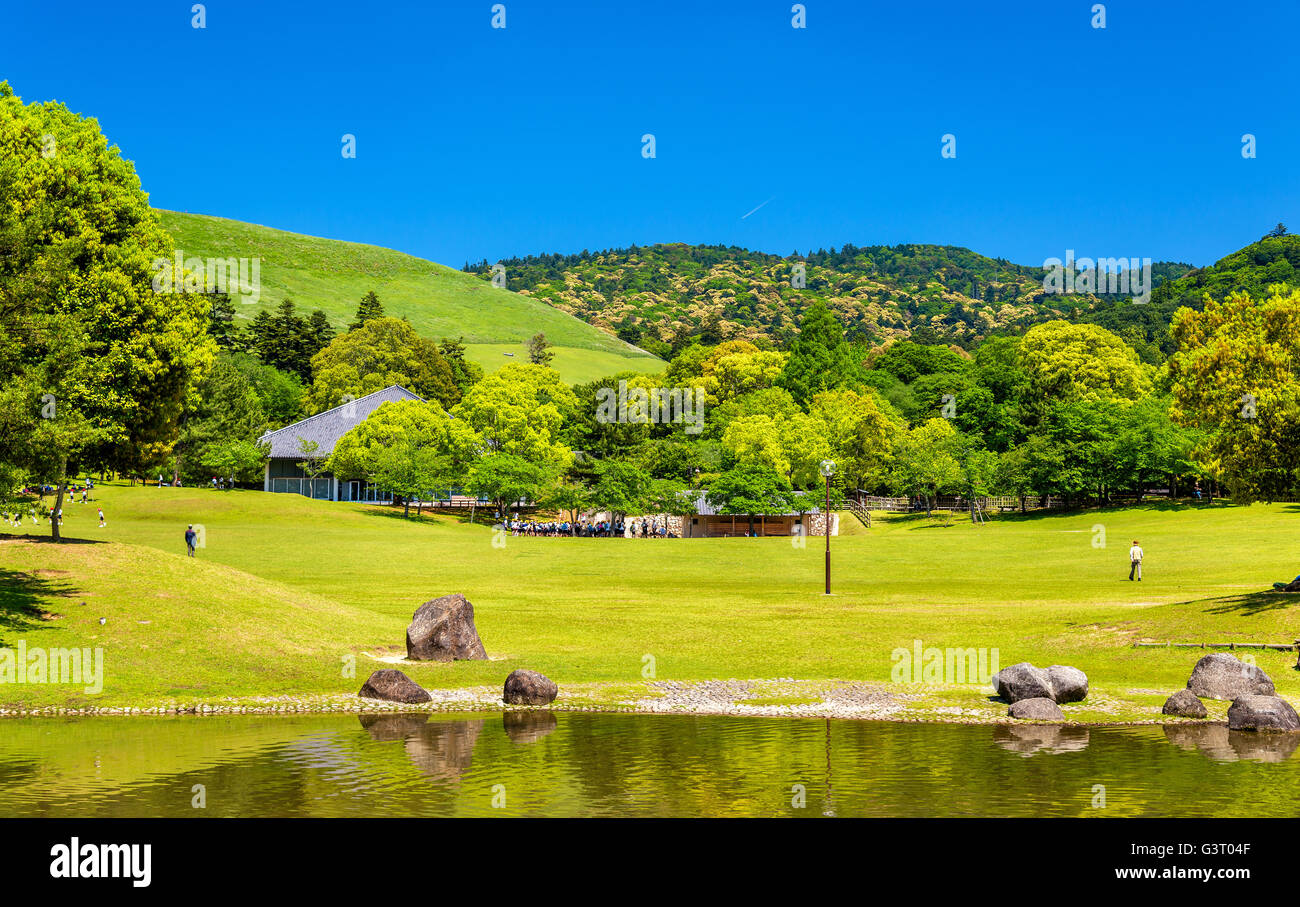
column 643, row 528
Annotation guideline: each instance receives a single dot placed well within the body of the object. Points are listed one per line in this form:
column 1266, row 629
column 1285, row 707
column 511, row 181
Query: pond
column 583, row 764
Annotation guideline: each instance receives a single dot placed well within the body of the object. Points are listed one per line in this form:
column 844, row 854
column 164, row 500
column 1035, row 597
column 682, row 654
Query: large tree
column 379, row 353
column 96, row 366
column 1236, row 378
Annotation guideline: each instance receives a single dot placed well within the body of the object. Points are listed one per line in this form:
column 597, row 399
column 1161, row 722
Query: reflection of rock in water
column 443, row 749
column 1028, row 739
column 528, row 727
column 387, row 728
column 1223, row 745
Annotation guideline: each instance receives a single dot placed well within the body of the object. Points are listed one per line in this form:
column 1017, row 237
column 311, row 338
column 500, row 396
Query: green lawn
column 287, row 587
column 439, row 301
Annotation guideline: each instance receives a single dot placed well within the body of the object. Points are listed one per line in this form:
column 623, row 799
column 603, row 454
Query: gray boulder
column 393, row 686
column 1038, row 709
column 1262, row 713
column 1224, row 676
column 1022, row 681
column 1184, row 704
column 1068, row 684
column 443, row 630
column 1058, row 683
column 529, row 688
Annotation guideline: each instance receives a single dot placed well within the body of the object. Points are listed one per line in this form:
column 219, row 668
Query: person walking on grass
column 1135, row 561
column 101, row 517
column 190, row 538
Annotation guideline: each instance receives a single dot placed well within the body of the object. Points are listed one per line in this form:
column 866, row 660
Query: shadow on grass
column 24, row 598
column 1249, row 603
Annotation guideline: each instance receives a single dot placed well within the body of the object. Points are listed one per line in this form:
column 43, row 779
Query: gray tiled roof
column 704, row 508
column 326, row 428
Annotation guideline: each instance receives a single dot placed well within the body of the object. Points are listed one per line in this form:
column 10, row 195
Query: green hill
column 332, row 275
column 656, row 295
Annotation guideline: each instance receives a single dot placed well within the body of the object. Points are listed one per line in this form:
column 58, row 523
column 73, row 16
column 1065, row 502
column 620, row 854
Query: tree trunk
column 1023, row 511
column 58, row 500
column 406, row 507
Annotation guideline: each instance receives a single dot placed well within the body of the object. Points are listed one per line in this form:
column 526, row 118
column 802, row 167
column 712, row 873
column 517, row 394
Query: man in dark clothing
column 190, row 538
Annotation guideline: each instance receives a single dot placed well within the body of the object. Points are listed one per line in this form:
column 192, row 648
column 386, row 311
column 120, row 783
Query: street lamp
column 828, row 469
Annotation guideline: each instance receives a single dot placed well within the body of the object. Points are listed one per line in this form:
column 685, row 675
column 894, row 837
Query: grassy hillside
column 654, row 294
column 439, row 301
column 286, row 587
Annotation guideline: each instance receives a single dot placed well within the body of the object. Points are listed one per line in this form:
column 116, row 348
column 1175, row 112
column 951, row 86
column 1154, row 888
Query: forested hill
column 658, row 296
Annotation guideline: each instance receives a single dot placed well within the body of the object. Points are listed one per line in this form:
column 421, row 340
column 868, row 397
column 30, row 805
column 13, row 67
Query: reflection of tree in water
column 1223, row 745
column 1032, row 739
column 528, row 727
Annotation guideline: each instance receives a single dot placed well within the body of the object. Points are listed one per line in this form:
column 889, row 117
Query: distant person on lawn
column 190, row 538
column 1135, row 561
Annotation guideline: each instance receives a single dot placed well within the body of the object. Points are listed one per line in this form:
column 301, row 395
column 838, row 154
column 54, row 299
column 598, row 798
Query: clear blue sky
column 474, row 142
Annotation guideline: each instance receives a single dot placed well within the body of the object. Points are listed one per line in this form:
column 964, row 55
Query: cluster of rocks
column 443, row 630
column 522, row 687
column 1036, row 694
column 1255, row 703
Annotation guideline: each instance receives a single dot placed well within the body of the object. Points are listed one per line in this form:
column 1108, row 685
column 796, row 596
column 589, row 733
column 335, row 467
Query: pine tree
column 369, row 310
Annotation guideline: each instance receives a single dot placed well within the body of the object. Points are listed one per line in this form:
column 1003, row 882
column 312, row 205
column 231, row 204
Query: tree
column 1236, row 379
column 861, row 432
column 313, row 462
column 319, row 330
column 380, row 353
column 82, row 327
column 1063, row 362
column 411, row 472
column 404, row 423
column 521, row 410
column 752, row 489
column 505, row 479
column 925, row 461
column 367, row 311
column 539, row 350
column 621, row 488
column 237, row 459
column 819, row 357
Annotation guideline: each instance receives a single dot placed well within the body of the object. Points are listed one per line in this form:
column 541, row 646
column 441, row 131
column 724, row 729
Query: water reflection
column 529, row 727
column 1030, row 739
column 1223, row 745
column 589, row 764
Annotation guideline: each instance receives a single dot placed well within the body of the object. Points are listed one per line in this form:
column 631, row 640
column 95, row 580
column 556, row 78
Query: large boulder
column 529, row 688
column 1262, row 713
column 1184, row 704
column 1068, row 684
column 1038, row 709
column 443, row 630
column 1058, row 683
column 393, row 686
column 1224, row 676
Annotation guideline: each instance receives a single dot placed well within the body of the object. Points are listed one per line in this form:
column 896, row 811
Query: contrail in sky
column 743, row 216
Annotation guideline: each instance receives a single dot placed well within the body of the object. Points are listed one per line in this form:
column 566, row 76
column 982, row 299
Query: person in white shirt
column 1135, row 561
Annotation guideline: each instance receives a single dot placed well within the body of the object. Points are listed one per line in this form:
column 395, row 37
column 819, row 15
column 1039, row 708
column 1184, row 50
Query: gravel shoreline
column 851, row 700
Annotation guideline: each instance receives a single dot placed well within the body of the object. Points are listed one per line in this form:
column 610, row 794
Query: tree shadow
column 24, row 600
column 1249, row 603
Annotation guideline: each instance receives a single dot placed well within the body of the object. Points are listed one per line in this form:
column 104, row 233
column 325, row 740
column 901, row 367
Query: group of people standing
column 48, row 513
column 643, row 528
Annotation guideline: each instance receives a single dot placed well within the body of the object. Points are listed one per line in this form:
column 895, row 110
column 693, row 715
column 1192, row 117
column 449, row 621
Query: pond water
column 566, row 764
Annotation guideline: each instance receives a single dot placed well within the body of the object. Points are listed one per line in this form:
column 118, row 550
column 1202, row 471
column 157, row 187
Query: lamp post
column 828, row 470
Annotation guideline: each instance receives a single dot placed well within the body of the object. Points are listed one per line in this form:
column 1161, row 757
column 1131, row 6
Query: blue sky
column 475, row 142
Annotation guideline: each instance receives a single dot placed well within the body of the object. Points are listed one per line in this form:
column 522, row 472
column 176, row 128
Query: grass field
column 285, row 587
column 439, row 301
